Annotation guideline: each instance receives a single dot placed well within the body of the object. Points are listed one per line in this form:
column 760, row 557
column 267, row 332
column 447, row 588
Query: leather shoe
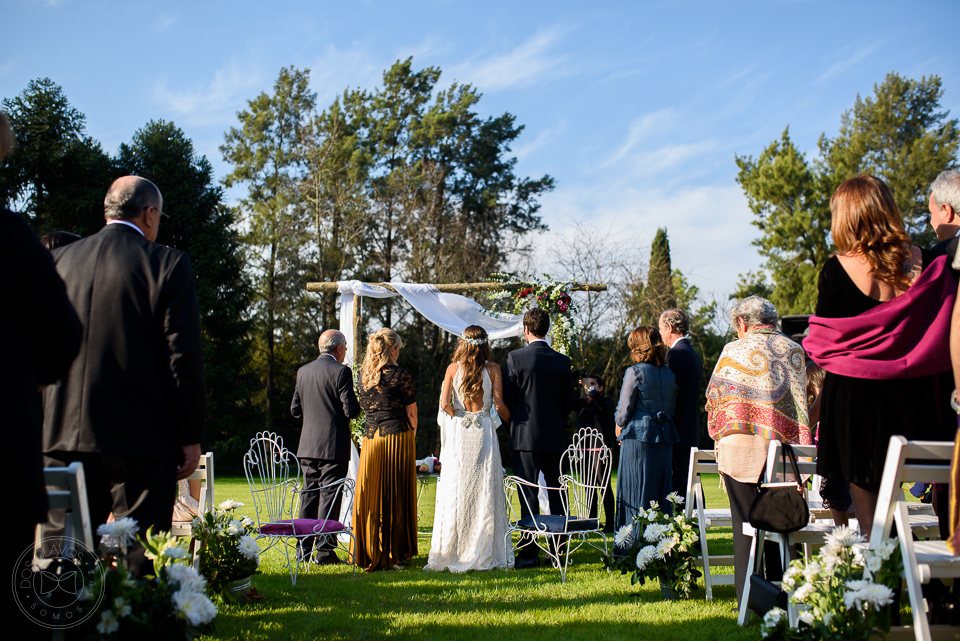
column 526, row 564
column 329, row 560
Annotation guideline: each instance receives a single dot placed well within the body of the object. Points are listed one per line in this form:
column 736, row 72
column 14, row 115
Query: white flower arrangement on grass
column 228, row 551
column 659, row 546
column 845, row 590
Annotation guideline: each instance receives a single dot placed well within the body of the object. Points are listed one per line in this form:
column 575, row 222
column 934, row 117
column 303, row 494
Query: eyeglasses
column 163, row 216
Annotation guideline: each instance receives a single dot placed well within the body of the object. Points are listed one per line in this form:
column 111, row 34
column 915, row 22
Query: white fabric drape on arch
column 452, row 312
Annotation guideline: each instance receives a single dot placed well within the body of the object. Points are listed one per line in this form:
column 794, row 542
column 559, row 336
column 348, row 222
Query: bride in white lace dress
column 471, row 516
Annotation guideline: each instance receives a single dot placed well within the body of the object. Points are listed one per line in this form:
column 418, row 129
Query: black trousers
column 528, row 465
column 320, row 505
column 129, row 486
column 741, row 497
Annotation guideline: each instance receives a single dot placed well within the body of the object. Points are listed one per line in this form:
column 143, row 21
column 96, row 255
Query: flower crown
column 473, row 341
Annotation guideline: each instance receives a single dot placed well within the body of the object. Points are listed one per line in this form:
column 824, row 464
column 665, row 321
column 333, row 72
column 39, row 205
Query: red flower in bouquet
column 524, row 293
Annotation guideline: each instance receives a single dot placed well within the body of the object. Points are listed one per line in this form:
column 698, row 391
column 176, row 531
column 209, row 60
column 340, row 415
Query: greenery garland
column 527, row 291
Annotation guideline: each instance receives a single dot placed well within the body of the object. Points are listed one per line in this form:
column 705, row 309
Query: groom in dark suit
column 538, row 389
column 131, row 407
column 325, row 399
column 688, row 369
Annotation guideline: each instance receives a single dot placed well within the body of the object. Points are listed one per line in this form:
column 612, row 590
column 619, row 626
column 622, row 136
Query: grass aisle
column 329, row 603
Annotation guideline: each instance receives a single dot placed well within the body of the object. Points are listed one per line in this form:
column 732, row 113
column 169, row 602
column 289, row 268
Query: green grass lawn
column 330, row 603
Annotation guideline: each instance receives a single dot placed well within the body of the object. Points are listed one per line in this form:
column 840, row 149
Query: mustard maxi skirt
column 385, row 504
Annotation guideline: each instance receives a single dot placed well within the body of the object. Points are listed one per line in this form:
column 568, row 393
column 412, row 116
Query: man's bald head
column 129, row 196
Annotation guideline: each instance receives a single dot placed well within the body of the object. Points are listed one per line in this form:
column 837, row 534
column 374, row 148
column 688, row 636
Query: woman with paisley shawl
column 757, row 393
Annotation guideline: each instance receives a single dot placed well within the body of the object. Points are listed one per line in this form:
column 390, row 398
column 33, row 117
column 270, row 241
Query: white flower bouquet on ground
column 843, row 591
column 228, row 552
column 659, row 546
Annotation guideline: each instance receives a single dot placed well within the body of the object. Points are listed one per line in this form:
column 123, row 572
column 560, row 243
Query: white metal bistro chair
column 910, row 462
column 273, row 474
column 207, row 502
column 584, row 475
column 705, row 462
column 73, row 500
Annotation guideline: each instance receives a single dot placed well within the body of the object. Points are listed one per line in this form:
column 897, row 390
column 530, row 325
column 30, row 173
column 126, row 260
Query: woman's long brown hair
column 646, row 346
column 378, row 355
column 472, row 359
column 866, row 220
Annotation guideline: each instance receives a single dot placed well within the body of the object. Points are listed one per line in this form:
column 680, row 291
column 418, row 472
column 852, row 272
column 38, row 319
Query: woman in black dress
column 875, row 263
column 385, row 507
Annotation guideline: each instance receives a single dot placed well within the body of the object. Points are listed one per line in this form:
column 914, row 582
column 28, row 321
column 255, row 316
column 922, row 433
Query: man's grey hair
column 126, row 200
column 676, row 320
column 754, row 311
column 946, row 189
column 329, row 343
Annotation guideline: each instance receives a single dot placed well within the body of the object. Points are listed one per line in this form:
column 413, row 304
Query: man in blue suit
column 687, row 367
column 539, row 390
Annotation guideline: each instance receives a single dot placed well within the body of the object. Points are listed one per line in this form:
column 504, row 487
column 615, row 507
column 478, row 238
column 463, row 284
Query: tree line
column 406, row 181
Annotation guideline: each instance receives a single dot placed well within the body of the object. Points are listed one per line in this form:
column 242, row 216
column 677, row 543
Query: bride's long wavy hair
column 378, row 355
column 472, row 359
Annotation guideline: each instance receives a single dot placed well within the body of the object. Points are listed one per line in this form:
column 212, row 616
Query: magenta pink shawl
column 906, row 337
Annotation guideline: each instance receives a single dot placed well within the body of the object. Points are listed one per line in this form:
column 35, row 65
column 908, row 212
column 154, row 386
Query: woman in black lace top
column 385, row 505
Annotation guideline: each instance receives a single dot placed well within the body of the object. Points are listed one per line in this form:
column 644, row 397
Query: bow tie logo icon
column 69, row 582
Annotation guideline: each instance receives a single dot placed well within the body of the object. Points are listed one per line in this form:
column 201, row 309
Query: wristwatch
column 955, row 402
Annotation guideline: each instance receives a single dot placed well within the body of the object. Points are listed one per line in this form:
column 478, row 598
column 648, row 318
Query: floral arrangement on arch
column 171, row 603
column 659, row 546
column 228, row 552
column 551, row 296
column 842, row 592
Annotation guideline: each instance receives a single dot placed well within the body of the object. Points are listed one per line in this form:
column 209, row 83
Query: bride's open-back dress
column 471, row 514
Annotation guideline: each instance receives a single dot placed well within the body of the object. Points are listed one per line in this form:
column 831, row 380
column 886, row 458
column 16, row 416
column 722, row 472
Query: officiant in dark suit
column 131, row 407
column 944, row 208
column 538, row 388
column 325, row 399
column 688, row 369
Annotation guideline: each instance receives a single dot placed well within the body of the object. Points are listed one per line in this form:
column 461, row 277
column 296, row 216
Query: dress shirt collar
column 674, row 343
column 328, row 356
column 539, row 340
column 117, row 221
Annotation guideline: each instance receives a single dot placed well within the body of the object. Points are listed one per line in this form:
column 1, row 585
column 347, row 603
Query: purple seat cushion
column 301, row 527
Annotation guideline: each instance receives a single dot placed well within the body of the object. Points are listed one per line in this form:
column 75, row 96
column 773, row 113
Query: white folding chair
column 274, row 476
column 911, row 462
column 73, row 500
column 705, row 462
column 207, row 503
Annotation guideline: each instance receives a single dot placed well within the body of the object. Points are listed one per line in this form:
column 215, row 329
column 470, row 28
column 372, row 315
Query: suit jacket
column 325, row 399
column 137, row 387
column 538, row 389
column 688, row 370
column 41, row 337
column 948, row 248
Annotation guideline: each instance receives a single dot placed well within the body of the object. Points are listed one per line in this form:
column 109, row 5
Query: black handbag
column 764, row 595
column 781, row 507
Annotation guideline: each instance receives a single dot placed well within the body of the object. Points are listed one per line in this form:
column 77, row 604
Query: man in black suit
column 131, row 407
column 944, row 211
column 688, row 369
column 325, row 399
column 538, row 389
column 42, row 336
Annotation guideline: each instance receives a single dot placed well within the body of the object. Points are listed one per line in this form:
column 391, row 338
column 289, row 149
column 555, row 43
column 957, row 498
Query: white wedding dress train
column 470, row 521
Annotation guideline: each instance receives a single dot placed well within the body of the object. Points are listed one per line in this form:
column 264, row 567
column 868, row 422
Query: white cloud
column 521, row 151
column 840, row 67
column 7, row 67
column 338, row 69
column 219, row 100
column 708, row 227
column 164, row 21
column 528, row 64
column 639, row 130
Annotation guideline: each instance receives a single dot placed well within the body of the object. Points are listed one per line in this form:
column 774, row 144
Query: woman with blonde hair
column 385, row 504
column 881, row 332
column 645, row 427
column 470, row 521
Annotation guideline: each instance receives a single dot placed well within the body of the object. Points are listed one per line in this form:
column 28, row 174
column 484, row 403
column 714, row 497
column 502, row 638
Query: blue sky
column 635, row 108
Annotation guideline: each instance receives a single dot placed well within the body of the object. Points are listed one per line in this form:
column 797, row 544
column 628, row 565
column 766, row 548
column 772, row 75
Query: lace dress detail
column 470, row 520
column 385, row 403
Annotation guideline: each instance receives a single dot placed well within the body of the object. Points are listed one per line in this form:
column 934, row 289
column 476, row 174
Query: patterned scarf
column 758, row 387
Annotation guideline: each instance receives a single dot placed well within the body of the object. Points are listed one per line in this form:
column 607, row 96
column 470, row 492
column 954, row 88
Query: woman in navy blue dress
column 645, row 427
